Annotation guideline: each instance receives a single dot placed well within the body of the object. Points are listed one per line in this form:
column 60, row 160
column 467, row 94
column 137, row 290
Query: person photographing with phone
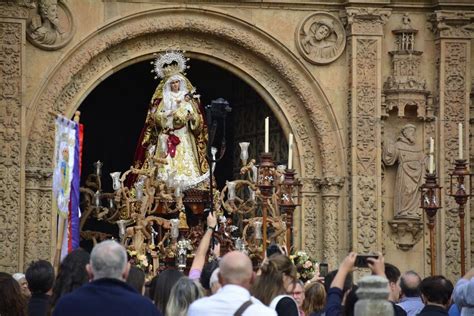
column 335, row 297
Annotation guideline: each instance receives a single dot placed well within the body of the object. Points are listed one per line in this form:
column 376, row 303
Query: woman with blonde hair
column 276, row 279
column 183, row 293
column 315, row 299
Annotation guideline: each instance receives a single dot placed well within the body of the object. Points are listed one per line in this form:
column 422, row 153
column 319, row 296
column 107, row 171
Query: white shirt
column 226, row 302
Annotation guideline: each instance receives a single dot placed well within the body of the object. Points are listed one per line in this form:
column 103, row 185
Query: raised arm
column 201, row 251
column 335, row 294
column 346, row 267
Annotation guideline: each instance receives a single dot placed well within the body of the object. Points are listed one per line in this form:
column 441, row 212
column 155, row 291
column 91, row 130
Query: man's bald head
column 236, row 268
column 410, row 284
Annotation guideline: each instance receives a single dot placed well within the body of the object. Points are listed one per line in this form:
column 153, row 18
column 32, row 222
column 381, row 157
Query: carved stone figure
column 410, row 172
column 321, row 38
column 50, row 25
column 44, row 27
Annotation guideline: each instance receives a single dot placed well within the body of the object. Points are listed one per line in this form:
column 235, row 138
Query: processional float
column 161, row 221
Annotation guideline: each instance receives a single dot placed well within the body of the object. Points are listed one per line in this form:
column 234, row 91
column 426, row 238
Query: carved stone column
column 39, row 232
column 471, row 160
column 12, row 113
column 312, row 217
column 453, row 48
column 365, row 32
column 331, row 188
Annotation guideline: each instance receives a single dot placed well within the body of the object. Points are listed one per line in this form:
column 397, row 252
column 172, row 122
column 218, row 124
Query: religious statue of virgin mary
column 174, row 132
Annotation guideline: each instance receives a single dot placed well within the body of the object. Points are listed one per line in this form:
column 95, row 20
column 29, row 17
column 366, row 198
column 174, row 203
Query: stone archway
column 277, row 75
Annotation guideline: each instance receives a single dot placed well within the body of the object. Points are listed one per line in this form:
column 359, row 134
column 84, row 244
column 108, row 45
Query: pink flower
column 308, row 264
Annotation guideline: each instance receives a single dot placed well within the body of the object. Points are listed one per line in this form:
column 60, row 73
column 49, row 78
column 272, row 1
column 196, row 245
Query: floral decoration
column 139, row 260
column 306, row 266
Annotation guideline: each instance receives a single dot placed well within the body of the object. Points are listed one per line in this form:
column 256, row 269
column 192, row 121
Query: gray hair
column 214, row 277
column 18, row 276
column 108, row 260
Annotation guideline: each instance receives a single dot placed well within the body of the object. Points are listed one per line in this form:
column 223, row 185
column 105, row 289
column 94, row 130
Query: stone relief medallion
column 320, row 38
column 50, row 25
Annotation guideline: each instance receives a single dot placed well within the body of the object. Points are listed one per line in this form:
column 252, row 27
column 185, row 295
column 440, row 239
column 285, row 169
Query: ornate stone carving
column 404, row 87
column 453, row 46
column 409, row 178
column 12, row 9
column 38, row 215
column 471, row 160
column 321, row 38
column 406, row 233
column 312, row 226
column 453, row 24
column 365, row 40
column 455, row 102
column 331, row 188
column 51, row 25
column 367, row 217
column 407, row 227
column 10, row 145
column 365, row 21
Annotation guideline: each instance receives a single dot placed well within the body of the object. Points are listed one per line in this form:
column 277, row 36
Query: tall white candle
column 290, row 151
column 460, row 140
column 431, row 165
column 267, row 134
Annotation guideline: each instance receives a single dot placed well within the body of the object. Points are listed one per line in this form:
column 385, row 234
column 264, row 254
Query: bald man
column 410, row 299
column 236, row 276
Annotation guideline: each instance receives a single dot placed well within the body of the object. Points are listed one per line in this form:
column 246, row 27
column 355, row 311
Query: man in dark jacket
column 107, row 294
column 436, row 294
column 40, row 277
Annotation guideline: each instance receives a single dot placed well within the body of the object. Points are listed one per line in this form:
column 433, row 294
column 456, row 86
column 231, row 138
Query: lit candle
column 267, row 133
column 431, row 165
column 290, row 151
column 460, row 140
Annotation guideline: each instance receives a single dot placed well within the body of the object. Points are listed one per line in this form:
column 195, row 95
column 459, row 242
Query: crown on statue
column 169, row 64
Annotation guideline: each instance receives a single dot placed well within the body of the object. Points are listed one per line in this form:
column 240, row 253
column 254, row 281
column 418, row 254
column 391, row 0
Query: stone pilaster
column 39, row 222
column 364, row 48
column 312, row 217
column 12, row 43
column 331, row 191
column 453, row 48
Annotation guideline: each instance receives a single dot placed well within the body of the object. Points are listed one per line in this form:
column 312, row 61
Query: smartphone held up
column 362, row 262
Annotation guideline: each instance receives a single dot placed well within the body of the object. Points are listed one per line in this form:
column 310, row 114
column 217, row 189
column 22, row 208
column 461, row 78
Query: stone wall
column 330, row 73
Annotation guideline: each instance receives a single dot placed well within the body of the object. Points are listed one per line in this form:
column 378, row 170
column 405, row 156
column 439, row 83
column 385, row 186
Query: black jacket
column 432, row 310
column 105, row 297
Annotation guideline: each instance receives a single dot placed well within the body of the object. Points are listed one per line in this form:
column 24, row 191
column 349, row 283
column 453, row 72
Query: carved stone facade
column 346, row 205
column 12, row 41
column 453, row 48
column 405, row 97
column 365, row 31
column 331, row 191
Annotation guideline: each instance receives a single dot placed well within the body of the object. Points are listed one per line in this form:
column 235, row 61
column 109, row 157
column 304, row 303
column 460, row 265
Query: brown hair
column 315, row 298
column 270, row 283
column 12, row 302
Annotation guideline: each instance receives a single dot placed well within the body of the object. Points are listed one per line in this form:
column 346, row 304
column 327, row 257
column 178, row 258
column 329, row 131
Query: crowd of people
column 105, row 283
